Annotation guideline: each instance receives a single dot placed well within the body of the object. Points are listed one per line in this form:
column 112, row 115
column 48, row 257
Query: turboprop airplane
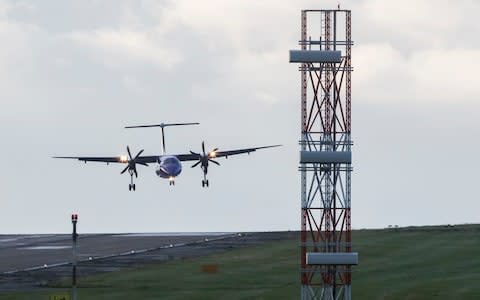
column 169, row 166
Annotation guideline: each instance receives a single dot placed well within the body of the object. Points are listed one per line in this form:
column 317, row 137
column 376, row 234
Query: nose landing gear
column 205, row 183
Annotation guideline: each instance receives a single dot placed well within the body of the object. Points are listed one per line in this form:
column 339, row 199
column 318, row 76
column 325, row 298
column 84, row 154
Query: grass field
column 407, row 263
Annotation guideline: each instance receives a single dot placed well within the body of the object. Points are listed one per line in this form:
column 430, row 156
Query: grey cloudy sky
column 73, row 73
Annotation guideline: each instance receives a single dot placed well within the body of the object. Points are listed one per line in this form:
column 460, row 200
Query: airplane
column 168, row 166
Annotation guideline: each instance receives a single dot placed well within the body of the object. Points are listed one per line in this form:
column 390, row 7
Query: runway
column 32, row 261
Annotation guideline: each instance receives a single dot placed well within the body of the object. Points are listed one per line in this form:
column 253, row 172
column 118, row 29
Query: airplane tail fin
column 162, row 125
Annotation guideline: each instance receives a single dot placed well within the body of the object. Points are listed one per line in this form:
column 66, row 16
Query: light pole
column 74, row 259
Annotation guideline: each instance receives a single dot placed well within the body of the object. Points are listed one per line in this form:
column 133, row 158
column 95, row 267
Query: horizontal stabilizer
column 161, row 125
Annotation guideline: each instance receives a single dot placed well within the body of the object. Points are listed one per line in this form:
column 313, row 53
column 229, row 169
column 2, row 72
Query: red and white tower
column 325, row 156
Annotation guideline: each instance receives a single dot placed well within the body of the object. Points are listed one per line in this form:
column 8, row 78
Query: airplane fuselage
column 169, row 166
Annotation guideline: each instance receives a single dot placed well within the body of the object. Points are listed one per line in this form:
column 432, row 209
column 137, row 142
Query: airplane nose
column 165, row 169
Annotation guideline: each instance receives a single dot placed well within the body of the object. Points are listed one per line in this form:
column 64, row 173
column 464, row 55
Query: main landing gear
column 203, row 160
column 131, row 186
column 131, row 166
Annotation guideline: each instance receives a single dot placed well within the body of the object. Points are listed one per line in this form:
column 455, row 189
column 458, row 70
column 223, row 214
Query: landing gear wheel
column 129, row 187
column 134, row 187
column 206, row 182
column 203, row 183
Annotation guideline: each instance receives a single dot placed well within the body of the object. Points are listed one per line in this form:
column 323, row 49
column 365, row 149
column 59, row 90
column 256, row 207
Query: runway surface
column 33, row 261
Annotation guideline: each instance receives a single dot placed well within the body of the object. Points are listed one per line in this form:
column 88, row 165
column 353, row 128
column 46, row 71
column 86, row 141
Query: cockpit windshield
column 170, row 160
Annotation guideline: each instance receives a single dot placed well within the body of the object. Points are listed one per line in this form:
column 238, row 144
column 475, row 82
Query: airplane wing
column 154, row 158
column 218, row 153
column 113, row 159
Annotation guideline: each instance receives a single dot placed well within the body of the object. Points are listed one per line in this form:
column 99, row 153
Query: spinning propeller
column 203, row 160
column 132, row 163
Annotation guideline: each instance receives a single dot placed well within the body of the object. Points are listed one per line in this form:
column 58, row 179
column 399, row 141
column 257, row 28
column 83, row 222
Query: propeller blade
column 143, row 164
column 129, row 154
column 196, row 164
column 215, row 162
column 141, row 151
column 135, row 171
column 203, row 147
column 125, row 170
column 215, row 150
column 193, row 153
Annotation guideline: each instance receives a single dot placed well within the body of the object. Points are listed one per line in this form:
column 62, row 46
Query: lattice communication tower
column 325, row 157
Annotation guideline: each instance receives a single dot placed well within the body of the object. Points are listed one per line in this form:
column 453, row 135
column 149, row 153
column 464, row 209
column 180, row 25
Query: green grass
column 412, row 263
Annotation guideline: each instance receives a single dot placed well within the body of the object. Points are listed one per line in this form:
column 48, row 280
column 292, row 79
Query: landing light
column 123, row 158
column 171, row 178
column 212, row 154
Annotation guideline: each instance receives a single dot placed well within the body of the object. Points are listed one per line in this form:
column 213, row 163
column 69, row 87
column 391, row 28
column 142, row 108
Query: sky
column 74, row 73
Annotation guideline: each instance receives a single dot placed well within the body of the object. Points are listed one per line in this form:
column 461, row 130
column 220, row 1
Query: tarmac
column 34, row 261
